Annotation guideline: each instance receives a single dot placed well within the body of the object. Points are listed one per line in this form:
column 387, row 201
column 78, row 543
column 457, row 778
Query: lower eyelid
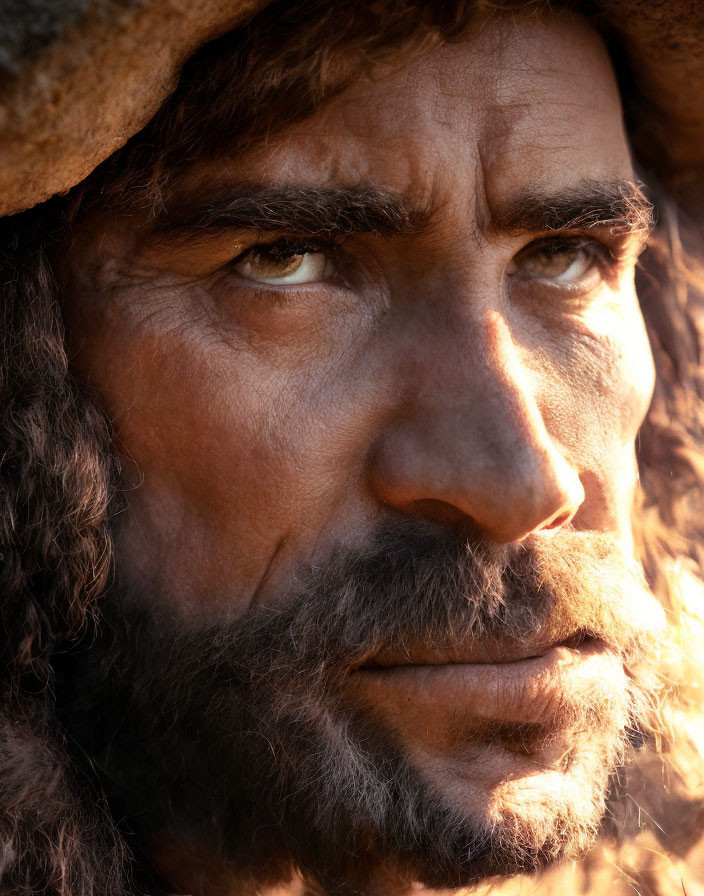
column 543, row 288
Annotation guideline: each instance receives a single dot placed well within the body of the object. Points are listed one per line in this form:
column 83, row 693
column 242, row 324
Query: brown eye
column 559, row 262
column 285, row 263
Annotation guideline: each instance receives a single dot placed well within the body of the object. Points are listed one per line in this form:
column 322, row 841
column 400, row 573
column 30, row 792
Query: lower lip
column 529, row 691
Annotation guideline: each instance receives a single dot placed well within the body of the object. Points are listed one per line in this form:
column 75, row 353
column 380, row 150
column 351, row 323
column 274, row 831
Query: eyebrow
column 295, row 209
column 620, row 205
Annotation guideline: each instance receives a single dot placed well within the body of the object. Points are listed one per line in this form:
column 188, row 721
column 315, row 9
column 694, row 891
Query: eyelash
column 562, row 242
column 287, row 246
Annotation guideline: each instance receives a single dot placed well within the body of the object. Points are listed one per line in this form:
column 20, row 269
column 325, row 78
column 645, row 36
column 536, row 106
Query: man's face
column 416, row 305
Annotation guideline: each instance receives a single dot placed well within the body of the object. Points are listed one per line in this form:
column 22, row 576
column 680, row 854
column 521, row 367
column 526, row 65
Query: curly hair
column 58, row 478
column 55, row 471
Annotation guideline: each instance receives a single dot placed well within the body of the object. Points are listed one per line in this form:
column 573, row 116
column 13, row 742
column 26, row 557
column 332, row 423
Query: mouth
column 471, row 687
column 487, row 651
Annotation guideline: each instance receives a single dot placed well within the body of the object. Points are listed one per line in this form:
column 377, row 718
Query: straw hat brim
column 79, row 77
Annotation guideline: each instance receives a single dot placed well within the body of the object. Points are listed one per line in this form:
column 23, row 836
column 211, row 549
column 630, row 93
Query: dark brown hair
column 54, row 488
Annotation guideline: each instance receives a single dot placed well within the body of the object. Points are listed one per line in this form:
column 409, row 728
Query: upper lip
column 485, row 650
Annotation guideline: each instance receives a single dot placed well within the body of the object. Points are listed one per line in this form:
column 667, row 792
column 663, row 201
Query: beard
column 243, row 737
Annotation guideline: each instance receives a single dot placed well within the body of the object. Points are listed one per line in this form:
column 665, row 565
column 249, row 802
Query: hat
column 78, row 78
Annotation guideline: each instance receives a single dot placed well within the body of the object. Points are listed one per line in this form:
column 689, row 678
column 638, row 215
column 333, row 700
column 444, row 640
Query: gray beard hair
column 235, row 736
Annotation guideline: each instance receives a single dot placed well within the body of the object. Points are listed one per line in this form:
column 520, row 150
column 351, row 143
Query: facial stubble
column 240, row 736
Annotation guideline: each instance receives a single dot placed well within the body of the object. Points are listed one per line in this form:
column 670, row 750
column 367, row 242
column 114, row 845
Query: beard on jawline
column 237, row 735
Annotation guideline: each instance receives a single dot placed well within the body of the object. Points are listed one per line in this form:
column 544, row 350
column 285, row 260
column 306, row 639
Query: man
column 362, row 369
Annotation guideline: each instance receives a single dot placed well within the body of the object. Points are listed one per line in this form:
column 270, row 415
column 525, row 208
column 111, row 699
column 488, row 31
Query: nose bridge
column 508, row 408
column 477, row 441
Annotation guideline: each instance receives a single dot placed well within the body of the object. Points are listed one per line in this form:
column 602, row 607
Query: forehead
column 526, row 98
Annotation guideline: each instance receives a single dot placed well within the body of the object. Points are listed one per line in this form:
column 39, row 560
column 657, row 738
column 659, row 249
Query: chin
column 512, row 761
column 534, row 818
column 545, row 811
column 514, row 800
column 511, row 798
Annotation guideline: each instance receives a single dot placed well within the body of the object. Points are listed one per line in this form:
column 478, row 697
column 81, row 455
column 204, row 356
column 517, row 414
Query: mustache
column 418, row 586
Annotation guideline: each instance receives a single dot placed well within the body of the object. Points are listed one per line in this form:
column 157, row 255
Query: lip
column 530, row 690
column 494, row 651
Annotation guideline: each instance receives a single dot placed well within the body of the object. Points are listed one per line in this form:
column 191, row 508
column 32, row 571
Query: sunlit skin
column 271, row 404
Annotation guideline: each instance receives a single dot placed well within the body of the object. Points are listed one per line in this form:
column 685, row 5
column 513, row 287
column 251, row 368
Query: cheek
column 229, row 450
column 214, row 462
column 619, row 369
column 596, row 385
column 191, row 446
column 596, row 374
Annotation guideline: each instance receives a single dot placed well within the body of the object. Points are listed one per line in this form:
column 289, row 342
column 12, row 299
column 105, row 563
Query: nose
column 471, row 443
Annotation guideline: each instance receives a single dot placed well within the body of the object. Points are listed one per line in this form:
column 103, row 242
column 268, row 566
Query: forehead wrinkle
column 481, row 207
column 496, row 121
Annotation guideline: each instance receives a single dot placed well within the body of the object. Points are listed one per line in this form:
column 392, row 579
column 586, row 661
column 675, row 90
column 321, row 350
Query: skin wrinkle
column 283, row 461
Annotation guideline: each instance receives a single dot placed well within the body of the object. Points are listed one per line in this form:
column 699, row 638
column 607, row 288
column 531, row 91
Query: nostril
column 558, row 522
